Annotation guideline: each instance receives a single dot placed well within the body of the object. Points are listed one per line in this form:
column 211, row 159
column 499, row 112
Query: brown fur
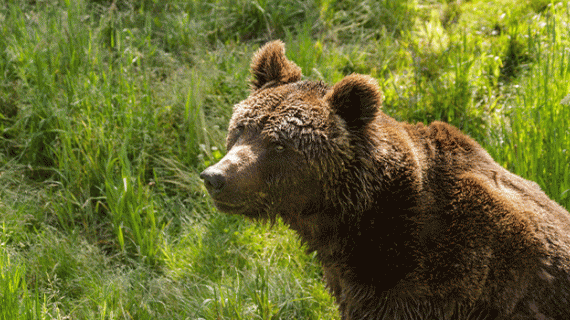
column 408, row 221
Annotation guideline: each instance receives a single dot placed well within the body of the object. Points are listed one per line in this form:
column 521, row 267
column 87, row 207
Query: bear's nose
column 213, row 179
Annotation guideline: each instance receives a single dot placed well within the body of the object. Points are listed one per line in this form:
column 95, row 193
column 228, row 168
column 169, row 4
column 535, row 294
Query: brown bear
column 408, row 221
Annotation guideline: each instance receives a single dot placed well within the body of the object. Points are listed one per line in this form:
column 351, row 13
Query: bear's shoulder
column 446, row 137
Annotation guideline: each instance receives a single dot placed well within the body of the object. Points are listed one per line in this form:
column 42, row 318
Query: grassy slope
column 109, row 110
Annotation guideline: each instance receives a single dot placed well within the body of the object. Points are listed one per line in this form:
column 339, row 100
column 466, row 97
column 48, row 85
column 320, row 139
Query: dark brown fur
column 408, row 221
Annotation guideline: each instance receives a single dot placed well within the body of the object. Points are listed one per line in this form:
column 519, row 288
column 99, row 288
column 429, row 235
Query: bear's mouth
column 229, row 207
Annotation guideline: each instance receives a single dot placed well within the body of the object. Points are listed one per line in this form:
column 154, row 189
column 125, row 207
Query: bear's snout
column 234, row 179
column 214, row 180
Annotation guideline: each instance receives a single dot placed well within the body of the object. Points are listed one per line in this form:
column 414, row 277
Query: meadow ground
column 110, row 109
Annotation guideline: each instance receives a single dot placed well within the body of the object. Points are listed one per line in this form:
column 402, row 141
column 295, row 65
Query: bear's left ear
column 271, row 66
column 356, row 99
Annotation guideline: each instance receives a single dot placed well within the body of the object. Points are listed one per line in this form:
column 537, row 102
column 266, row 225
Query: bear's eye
column 239, row 130
column 279, row 147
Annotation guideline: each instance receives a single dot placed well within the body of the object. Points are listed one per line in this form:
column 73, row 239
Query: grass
column 110, row 109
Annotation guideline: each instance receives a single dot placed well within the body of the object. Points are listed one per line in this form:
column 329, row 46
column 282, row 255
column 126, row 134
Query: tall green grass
column 535, row 137
column 16, row 301
column 110, row 109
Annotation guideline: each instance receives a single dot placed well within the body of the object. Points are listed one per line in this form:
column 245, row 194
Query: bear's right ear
column 356, row 99
column 270, row 67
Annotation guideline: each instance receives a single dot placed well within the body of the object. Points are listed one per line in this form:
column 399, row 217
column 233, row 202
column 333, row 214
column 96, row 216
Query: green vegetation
column 110, row 109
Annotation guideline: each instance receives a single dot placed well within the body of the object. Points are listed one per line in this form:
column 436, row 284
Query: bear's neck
column 350, row 227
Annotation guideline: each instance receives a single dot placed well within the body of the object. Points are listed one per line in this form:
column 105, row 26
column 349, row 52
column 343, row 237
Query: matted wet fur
column 408, row 221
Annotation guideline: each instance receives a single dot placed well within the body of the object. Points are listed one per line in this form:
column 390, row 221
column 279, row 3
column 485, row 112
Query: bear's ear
column 270, row 66
column 356, row 99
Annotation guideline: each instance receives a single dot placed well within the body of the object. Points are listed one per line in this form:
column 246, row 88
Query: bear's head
column 291, row 142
